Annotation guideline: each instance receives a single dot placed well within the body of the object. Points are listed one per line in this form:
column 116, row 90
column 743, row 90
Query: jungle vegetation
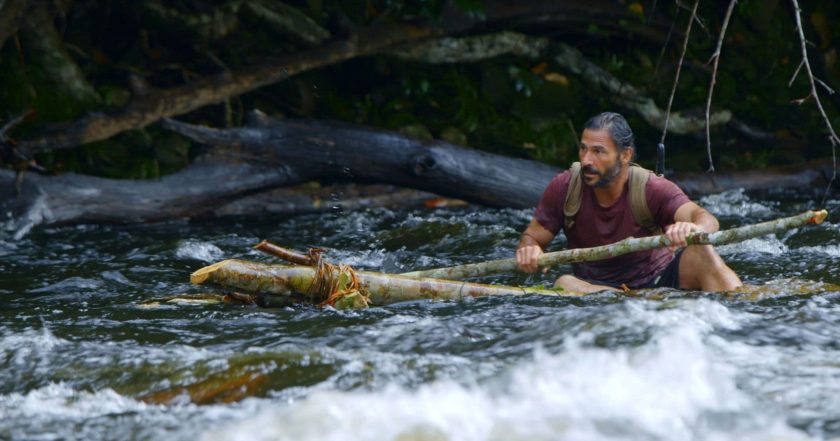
column 83, row 83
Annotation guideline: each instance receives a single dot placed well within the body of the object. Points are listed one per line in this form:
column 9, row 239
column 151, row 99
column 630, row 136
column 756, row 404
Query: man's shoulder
column 658, row 183
column 663, row 194
column 563, row 177
column 559, row 184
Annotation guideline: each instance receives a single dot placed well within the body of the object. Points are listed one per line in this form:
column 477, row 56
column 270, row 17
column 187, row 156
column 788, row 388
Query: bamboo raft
column 314, row 280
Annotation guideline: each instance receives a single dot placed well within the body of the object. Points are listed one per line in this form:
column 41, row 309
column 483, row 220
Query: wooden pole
column 625, row 246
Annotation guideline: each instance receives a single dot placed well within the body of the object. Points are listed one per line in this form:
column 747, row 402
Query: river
column 86, row 353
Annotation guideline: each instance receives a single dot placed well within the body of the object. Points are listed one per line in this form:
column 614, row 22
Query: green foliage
column 516, row 107
column 24, row 87
column 453, row 100
column 140, row 154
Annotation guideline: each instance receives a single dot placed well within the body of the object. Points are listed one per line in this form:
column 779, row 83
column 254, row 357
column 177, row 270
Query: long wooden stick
column 625, row 246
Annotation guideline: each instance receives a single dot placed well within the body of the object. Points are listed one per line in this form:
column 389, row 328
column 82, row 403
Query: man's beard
column 606, row 177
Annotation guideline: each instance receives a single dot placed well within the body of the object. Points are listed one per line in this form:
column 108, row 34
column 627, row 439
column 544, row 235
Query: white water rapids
column 79, row 357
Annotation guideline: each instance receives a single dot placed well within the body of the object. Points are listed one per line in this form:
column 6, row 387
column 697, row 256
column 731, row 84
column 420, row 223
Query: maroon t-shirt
column 595, row 225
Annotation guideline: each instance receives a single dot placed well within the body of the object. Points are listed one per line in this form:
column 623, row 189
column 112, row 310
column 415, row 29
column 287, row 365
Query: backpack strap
column 571, row 206
column 638, row 202
column 638, row 178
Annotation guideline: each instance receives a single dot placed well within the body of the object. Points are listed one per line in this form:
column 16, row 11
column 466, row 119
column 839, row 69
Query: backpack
column 638, row 178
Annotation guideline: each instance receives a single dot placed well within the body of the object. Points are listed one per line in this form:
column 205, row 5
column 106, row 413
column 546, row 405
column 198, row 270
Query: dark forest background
column 82, row 83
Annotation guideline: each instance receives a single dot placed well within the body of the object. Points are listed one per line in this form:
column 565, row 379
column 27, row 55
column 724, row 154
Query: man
column 605, row 216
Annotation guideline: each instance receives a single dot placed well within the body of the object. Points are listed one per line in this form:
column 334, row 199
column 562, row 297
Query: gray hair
column 617, row 127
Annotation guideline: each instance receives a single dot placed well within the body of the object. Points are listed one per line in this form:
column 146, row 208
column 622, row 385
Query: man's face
column 600, row 162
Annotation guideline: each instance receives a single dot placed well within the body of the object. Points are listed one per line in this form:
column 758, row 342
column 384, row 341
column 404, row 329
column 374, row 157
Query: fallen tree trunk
column 302, row 199
column 72, row 198
column 796, row 177
column 337, row 150
column 283, row 153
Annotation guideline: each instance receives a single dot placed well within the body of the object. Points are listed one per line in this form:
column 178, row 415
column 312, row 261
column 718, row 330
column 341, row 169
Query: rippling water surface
column 84, row 356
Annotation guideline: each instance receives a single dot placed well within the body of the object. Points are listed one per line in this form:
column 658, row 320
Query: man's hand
column 527, row 257
column 531, row 245
column 677, row 232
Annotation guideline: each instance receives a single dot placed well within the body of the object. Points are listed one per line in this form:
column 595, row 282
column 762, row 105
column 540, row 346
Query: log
column 263, row 159
column 72, row 198
column 293, row 283
column 795, row 177
column 626, row 246
column 317, row 149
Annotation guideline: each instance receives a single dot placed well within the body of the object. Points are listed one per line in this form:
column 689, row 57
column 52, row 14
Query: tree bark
column 72, row 198
column 336, row 150
column 335, row 198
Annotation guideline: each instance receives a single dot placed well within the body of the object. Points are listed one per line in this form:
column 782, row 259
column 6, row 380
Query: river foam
column 678, row 385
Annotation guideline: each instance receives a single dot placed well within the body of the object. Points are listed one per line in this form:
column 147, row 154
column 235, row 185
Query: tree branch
column 815, row 94
column 629, row 97
column 150, row 108
column 475, row 48
column 289, row 21
column 144, row 110
column 218, row 23
column 716, row 57
column 679, row 69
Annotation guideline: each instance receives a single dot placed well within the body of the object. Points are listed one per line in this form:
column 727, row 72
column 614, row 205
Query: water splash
column 769, row 245
column 673, row 388
column 59, row 400
column 35, row 214
column 204, row 251
column 826, row 250
column 737, row 204
column 25, row 348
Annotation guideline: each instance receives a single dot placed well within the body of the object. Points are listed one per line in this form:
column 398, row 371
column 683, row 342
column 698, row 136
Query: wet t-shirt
column 595, row 226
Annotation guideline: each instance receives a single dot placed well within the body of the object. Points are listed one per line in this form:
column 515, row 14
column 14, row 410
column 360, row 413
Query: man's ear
column 627, row 155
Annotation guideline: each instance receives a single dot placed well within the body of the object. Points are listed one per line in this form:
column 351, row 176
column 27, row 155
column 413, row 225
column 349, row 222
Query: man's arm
column 689, row 218
column 531, row 245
